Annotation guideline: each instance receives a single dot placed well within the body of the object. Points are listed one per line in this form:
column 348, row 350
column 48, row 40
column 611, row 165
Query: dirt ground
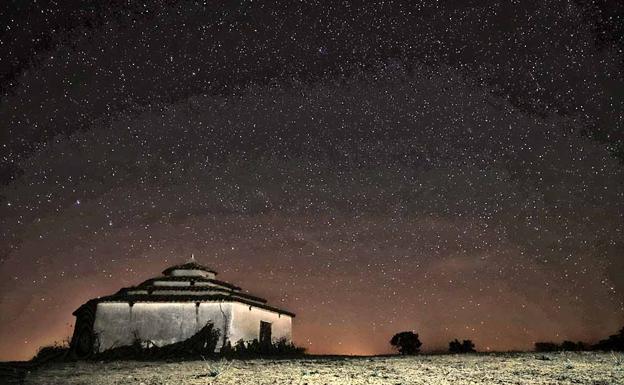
column 520, row 368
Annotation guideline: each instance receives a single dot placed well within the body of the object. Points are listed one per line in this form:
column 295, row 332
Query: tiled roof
column 137, row 298
column 190, row 290
column 171, row 278
column 208, row 290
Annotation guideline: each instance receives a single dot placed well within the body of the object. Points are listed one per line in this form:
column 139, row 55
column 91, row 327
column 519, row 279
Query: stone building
column 172, row 308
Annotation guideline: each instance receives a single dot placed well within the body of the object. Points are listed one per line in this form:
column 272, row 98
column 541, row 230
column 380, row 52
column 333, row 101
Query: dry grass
column 521, row 368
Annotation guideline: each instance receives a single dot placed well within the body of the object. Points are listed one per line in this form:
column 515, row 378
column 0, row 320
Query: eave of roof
column 182, row 298
column 125, row 291
column 195, row 279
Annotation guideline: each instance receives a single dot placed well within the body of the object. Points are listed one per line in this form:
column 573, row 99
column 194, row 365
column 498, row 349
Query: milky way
column 451, row 170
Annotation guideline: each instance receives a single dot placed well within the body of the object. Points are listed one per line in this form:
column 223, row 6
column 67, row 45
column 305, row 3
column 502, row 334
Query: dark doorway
column 265, row 333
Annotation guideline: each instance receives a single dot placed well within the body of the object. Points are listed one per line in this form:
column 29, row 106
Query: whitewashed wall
column 245, row 323
column 162, row 323
column 117, row 324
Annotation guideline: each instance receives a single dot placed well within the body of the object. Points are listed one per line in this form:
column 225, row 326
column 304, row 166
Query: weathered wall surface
column 245, row 323
column 116, row 324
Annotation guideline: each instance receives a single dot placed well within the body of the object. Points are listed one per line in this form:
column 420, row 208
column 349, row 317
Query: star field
column 451, row 169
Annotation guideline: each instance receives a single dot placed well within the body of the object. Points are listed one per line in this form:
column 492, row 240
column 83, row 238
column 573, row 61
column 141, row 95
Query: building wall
column 117, row 324
column 245, row 323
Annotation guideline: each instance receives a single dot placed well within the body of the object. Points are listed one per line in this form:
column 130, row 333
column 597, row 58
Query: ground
column 508, row 368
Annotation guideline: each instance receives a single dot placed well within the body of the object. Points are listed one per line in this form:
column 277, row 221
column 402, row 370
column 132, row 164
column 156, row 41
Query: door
column 265, row 333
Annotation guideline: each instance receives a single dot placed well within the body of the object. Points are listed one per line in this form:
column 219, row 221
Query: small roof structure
column 192, row 265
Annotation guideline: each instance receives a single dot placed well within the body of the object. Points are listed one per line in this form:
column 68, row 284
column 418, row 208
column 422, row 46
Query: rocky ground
column 520, row 368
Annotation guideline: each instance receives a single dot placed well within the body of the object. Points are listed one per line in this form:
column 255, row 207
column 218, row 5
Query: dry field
column 521, row 368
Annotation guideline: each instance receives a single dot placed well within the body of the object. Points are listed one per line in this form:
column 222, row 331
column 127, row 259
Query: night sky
column 456, row 169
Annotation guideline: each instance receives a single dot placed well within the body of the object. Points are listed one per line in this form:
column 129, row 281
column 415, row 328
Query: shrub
column 56, row 352
column 253, row 348
column 203, row 343
column 569, row 346
column 466, row 346
column 615, row 343
column 547, row 347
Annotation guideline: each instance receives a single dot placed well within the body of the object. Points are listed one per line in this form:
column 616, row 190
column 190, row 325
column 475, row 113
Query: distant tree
column 615, row 342
column 406, row 343
column 547, row 347
column 569, row 346
column 466, row 346
column 572, row 346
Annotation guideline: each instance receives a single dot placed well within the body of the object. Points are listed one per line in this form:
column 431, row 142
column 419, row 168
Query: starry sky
column 454, row 168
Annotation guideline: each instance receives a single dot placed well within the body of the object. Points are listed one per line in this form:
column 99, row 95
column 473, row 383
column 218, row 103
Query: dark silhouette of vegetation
column 250, row 349
column 201, row 344
column 615, row 342
column 56, row 352
column 547, row 347
column 466, row 346
column 568, row 346
column 406, row 343
column 571, row 346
